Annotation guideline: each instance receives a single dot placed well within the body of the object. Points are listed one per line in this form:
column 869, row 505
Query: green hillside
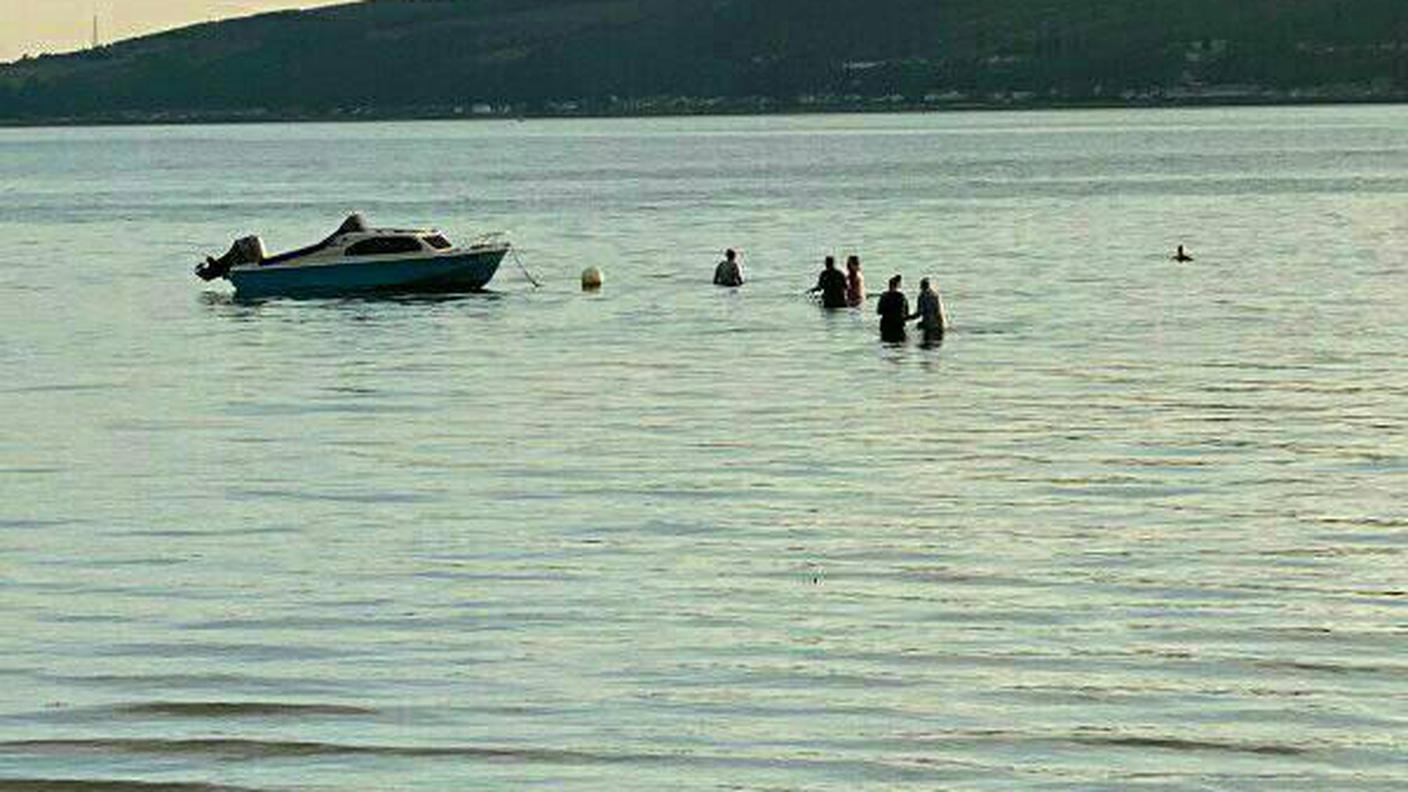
column 397, row 57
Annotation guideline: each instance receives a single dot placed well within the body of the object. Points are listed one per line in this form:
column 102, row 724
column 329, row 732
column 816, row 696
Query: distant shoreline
column 679, row 108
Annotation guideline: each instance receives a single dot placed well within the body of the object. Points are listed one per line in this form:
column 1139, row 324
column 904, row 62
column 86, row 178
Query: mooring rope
column 526, row 273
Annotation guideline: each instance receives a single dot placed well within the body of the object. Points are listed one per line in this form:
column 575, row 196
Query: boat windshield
column 380, row 246
column 438, row 242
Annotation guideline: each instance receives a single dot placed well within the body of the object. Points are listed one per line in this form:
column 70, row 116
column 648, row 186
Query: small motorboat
column 358, row 259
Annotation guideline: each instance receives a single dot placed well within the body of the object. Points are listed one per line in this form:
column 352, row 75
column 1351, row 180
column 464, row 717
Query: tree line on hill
column 397, row 55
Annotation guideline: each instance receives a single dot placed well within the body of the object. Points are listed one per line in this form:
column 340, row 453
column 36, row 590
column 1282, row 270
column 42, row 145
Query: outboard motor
column 246, row 250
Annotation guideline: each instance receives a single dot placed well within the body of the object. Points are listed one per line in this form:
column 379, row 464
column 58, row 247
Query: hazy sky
column 35, row 26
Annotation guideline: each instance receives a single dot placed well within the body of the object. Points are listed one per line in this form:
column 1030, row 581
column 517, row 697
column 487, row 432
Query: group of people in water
column 847, row 290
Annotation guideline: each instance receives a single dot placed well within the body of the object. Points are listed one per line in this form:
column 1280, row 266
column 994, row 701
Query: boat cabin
column 386, row 243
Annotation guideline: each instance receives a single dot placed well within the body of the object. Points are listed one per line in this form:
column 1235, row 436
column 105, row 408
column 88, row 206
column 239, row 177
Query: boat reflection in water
column 358, row 259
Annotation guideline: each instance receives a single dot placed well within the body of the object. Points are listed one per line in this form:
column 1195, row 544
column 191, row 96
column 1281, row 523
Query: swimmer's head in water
column 924, row 284
column 895, row 282
column 830, row 262
column 730, row 254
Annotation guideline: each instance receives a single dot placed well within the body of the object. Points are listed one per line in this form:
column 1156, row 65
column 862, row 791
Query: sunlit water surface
column 1135, row 524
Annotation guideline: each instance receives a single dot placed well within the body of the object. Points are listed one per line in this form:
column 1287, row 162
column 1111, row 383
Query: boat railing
column 494, row 239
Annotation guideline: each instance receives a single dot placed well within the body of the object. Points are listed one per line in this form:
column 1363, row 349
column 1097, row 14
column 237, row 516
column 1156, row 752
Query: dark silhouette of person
column 832, row 285
column 1182, row 255
column 894, row 312
column 729, row 272
column 929, row 309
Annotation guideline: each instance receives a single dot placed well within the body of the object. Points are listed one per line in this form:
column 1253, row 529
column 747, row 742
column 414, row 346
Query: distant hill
column 444, row 57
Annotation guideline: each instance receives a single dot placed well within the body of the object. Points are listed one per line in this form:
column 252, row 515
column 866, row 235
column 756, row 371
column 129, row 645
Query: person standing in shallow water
column 729, row 272
column 832, row 285
column 855, row 284
column 933, row 317
column 894, row 312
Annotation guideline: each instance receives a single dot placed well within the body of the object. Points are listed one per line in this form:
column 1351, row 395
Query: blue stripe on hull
column 464, row 272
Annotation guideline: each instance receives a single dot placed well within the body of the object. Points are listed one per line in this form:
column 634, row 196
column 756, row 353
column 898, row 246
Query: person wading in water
column 933, row 317
column 894, row 312
column 729, row 272
column 855, row 283
column 832, row 285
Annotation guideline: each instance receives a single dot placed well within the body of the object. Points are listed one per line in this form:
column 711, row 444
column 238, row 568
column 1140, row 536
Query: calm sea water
column 1134, row 525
